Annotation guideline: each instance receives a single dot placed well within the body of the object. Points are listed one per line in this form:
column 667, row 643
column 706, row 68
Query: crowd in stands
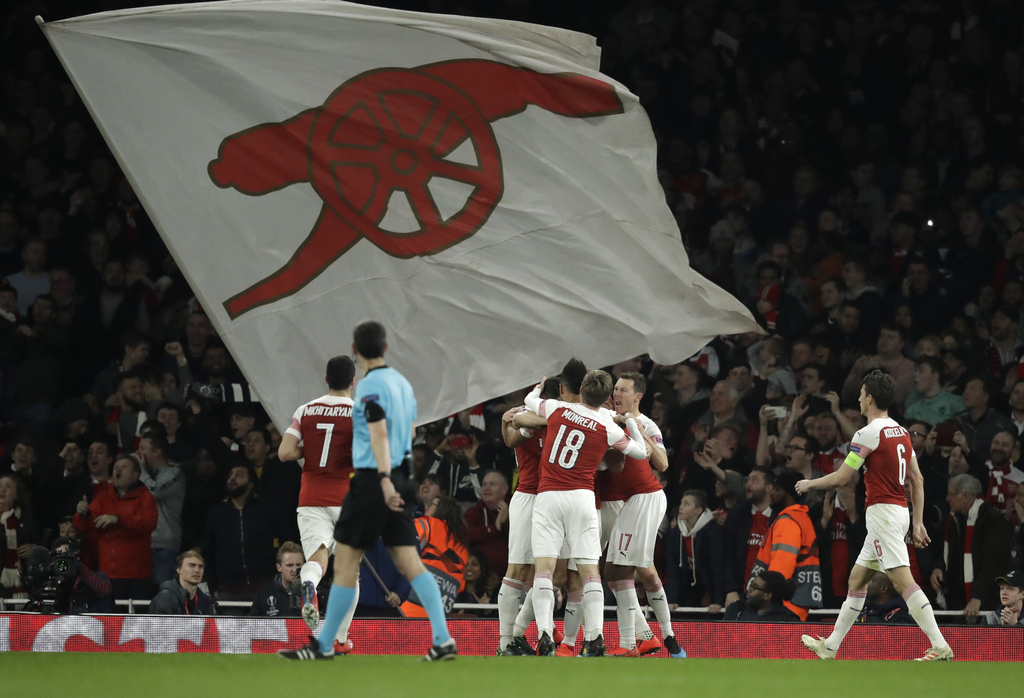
column 850, row 170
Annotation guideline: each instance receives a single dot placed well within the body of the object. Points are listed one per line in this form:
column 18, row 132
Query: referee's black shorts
column 365, row 516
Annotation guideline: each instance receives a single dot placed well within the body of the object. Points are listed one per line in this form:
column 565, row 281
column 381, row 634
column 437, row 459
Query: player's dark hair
column 549, row 391
column 572, row 375
column 340, row 372
column 370, row 339
column 639, row 382
column 596, row 388
column 450, row 511
column 882, row 388
column 700, row 498
column 786, row 481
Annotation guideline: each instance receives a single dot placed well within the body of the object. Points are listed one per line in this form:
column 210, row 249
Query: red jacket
column 124, row 547
column 485, row 536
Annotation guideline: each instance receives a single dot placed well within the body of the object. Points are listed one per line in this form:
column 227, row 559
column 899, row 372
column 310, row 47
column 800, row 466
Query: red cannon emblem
column 395, row 132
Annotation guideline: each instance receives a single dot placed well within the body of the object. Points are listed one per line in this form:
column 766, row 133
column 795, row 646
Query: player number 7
column 329, row 428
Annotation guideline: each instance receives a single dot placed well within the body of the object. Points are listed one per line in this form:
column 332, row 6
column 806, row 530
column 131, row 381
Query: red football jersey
column 324, row 427
column 577, row 439
column 886, row 449
column 528, row 461
column 636, row 476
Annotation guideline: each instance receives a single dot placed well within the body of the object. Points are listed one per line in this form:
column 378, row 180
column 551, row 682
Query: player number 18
column 900, row 450
column 568, row 452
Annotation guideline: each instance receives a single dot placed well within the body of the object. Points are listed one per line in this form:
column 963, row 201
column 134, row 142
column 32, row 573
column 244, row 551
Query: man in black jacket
column 182, row 596
column 274, row 598
column 240, row 533
column 695, row 557
column 989, row 533
column 745, row 528
column 764, row 604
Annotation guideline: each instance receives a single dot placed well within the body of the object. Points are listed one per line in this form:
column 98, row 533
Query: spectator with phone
column 458, row 469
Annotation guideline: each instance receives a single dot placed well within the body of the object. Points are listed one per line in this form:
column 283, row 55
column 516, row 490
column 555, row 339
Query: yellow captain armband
column 854, row 461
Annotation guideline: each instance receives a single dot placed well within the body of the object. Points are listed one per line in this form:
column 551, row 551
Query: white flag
column 475, row 185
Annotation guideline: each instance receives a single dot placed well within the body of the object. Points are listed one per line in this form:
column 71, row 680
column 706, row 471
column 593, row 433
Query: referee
column 382, row 418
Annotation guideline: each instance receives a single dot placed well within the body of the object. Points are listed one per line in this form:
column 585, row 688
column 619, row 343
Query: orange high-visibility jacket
column 791, row 548
column 445, row 558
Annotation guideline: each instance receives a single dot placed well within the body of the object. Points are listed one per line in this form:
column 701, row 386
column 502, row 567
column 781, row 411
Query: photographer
column 90, row 591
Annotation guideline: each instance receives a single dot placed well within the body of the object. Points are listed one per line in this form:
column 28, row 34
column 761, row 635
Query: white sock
column 342, row 635
column 921, row 609
column 311, row 572
column 626, row 606
column 573, row 617
column 659, row 604
column 593, row 608
column 508, row 607
column 848, row 615
column 643, row 629
column 544, row 603
column 526, row 613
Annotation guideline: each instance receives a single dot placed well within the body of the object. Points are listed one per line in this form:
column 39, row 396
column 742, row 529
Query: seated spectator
column 33, row 280
column 67, row 487
column 929, row 401
column 442, row 536
column 977, row 546
column 829, row 437
column 695, row 556
column 487, row 522
column 801, row 453
column 124, row 419
column 1003, row 478
column 182, row 596
column 891, row 341
column 239, row 539
column 1010, row 611
column 979, row 423
column 92, row 592
column 166, row 482
column 179, row 447
column 764, row 603
column 123, row 515
column 1004, row 346
column 724, row 406
column 275, row 598
column 728, row 491
column 458, row 468
column 883, row 603
column 21, row 533
column 481, row 584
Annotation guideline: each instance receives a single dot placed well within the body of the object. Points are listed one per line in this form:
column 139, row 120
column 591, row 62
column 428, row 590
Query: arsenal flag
column 476, row 185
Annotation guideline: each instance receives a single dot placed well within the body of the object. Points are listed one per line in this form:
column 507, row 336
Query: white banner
column 476, row 185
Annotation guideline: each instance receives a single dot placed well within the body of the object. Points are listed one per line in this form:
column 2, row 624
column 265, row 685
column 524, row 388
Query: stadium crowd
column 849, row 170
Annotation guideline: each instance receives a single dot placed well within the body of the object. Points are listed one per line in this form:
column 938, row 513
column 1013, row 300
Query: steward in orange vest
column 791, row 546
column 442, row 534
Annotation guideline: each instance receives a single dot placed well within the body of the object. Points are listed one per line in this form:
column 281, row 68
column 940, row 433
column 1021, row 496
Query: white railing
column 132, row 604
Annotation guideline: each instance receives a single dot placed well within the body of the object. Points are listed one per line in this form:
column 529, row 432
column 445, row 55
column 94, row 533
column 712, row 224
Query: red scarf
column 972, row 518
column 11, row 576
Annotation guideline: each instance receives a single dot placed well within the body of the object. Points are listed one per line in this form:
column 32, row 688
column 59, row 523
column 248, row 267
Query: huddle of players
column 585, row 484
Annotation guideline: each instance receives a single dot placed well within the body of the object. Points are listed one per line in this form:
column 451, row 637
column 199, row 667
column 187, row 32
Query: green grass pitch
column 26, row 675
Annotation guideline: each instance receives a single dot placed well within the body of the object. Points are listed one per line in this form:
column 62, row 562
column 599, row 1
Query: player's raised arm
column 535, row 404
column 528, row 420
column 833, row 480
column 510, row 433
column 631, row 443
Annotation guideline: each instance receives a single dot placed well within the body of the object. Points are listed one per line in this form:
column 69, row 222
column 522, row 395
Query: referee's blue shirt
column 389, row 389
